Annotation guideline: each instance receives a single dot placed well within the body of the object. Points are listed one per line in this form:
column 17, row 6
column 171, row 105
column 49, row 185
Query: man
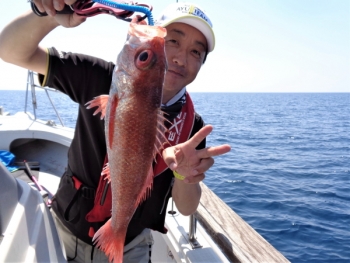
column 189, row 39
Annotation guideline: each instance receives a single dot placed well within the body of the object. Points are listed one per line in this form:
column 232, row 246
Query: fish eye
column 145, row 59
column 143, row 56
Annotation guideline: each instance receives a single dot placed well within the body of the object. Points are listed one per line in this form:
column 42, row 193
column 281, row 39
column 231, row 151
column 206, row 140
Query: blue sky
column 261, row 46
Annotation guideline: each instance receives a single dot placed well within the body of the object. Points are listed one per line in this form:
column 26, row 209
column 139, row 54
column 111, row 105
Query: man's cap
column 192, row 15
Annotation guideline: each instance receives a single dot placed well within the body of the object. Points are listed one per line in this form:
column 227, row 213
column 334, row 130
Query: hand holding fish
column 51, row 7
column 191, row 163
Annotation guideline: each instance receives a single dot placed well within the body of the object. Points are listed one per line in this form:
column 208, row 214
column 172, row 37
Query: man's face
column 185, row 49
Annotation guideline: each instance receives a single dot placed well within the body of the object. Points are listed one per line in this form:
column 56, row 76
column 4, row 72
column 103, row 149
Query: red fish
column 133, row 129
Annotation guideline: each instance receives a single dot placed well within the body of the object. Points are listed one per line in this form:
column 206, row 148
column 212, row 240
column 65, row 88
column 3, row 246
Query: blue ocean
column 288, row 173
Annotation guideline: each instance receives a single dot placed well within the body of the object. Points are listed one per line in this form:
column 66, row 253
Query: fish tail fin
column 110, row 243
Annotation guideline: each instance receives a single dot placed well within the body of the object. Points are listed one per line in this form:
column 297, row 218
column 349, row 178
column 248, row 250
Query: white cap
column 189, row 14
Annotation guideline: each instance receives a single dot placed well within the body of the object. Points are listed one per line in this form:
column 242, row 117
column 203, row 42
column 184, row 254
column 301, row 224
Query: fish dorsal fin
column 159, row 145
column 161, row 140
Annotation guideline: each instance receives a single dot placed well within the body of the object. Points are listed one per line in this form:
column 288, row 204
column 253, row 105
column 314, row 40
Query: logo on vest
column 176, row 129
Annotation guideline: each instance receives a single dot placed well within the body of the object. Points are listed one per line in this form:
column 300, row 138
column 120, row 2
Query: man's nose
column 180, row 58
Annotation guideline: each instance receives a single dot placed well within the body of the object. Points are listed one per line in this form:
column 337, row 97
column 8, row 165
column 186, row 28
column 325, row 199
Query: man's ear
column 205, row 57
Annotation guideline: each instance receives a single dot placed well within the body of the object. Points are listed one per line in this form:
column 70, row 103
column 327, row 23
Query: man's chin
column 172, row 89
column 171, row 84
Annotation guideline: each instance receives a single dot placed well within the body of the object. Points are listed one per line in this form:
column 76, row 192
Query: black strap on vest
column 76, row 251
column 83, row 191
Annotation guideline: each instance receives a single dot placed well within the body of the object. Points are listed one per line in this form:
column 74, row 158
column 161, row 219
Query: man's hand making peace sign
column 191, row 164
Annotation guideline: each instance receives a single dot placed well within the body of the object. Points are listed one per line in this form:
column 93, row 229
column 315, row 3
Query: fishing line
column 128, row 7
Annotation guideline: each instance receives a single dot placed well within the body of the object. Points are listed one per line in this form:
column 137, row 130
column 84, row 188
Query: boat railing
column 32, row 85
column 192, row 237
column 236, row 239
column 192, row 232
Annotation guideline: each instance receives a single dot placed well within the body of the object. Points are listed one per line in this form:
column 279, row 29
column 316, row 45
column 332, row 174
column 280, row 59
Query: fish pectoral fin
column 101, row 103
column 146, row 190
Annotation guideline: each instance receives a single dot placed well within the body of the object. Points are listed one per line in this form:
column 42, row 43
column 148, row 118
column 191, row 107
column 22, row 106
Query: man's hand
column 51, row 6
column 192, row 163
